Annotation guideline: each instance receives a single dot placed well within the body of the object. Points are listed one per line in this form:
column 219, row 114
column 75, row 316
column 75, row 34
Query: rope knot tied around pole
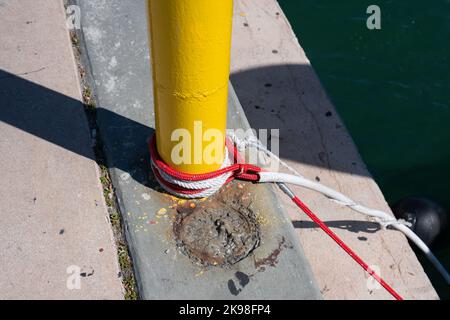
column 203, row 185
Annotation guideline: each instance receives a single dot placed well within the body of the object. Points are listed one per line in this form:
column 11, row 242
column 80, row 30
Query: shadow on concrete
column 349, row 225
column 290, row 97
column 56, row 118
column 52, row 116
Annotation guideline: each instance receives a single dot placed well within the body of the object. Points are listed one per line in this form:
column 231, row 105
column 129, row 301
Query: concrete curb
column 55, row 237
column 117, row 51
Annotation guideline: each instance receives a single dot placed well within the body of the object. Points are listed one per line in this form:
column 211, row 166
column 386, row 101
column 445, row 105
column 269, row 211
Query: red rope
column 247, row 172
column 346, row 248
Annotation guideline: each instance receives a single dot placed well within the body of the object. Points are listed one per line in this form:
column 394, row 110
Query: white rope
column 383, row 218
column 210, row 186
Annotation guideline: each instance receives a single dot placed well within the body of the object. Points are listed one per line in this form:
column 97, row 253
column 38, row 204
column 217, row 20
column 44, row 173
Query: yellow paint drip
column 161, row 212
column 191, row 42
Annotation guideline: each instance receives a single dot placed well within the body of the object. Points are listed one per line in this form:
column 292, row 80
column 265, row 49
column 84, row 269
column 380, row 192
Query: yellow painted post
column 190, row 45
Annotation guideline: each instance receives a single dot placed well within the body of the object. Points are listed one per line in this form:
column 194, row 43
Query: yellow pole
column 190, row 45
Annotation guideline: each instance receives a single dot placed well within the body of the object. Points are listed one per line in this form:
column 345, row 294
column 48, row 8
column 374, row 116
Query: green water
column 392, row 89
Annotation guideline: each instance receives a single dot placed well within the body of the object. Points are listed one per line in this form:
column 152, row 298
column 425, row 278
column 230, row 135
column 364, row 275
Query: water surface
column 392, row 89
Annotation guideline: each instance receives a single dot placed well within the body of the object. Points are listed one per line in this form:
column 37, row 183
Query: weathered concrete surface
column 117, row 46
column 278, row 88
column 52, row 211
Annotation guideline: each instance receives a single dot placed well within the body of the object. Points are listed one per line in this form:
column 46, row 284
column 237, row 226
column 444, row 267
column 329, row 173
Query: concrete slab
column 278, row 88
column 54, row 228
column 117, row 51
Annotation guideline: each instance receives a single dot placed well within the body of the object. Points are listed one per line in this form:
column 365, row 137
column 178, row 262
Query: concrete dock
column 278, row 88
column 54, row 223
column 56, row 241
